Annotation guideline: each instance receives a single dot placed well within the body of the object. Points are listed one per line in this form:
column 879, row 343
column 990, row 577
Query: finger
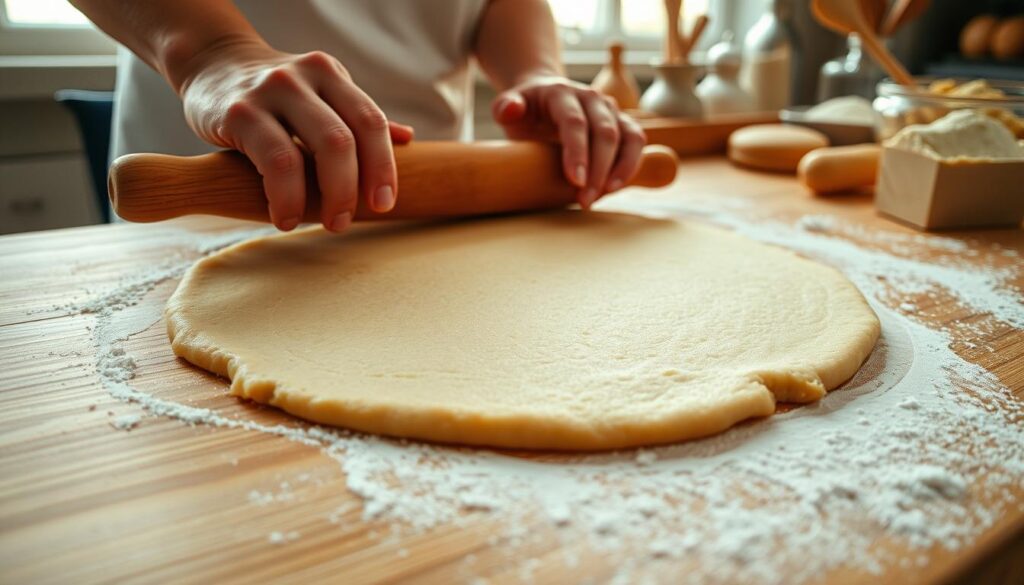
column 401, row 133
column 604, row 145
column 333, row 145
column 630, row 148
column 268, row 145
column 571, row 121
column 509, row 107
column 378, row 177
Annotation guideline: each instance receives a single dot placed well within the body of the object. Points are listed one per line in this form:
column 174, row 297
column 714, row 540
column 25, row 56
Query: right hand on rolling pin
column 247, row 96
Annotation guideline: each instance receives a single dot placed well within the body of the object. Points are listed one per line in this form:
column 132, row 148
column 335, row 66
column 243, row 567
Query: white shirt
column 411, row 56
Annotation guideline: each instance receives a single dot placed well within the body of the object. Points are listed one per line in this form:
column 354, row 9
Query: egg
column 1007, row 41
column 976, row 37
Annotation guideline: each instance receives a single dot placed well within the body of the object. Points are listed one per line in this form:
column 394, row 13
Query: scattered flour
column 910, row 403
column 126, row 422
column 277, row 537
column 921, row 445
column 259, row 498
column 644, row 457
column 897, row 241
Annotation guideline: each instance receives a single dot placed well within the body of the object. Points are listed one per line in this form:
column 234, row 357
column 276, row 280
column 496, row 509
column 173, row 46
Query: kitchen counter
column 93, row 487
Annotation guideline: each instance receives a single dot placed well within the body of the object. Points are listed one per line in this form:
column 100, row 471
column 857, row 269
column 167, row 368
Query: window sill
column 33, row 77
column 583, row 65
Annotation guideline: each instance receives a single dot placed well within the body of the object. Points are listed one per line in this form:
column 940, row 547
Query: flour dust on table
column 921, row 447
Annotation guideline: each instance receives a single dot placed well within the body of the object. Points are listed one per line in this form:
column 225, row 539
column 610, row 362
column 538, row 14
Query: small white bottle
column 720, row 90
column 768, row 59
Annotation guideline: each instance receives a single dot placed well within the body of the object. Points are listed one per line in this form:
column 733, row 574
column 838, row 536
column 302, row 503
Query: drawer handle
column 27, row 206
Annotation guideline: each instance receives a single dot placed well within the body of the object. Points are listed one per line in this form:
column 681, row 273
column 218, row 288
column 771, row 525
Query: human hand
column 600, row 144
column 247, row 96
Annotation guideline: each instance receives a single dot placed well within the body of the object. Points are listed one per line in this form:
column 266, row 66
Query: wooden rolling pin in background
column 839, row 169
column 435, row 180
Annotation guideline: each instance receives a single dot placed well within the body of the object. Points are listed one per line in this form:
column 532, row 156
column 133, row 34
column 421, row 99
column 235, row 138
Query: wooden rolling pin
column 435, row 180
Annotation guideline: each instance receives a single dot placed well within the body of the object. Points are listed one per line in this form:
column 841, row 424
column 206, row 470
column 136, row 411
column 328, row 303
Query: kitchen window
column 55, row 27
column 48, row 13
column 48, row 27
column 588, row 25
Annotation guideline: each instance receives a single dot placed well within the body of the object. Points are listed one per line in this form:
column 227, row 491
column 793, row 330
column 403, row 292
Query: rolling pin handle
column 658, row 166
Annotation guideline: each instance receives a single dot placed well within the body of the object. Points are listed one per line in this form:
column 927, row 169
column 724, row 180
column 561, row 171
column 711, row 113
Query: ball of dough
column 976, row 37
column 773, row 147
column 1008, row 39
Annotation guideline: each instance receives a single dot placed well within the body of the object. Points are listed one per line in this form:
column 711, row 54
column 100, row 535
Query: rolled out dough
column 567, row 330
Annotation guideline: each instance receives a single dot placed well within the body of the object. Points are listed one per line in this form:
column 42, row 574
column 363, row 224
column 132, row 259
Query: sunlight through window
column 43, row 13
column 647, row 17
column 575, row 14
column 592, row 22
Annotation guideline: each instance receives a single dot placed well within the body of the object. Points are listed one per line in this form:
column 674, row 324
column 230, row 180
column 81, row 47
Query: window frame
column 608, row 27
column 55, row 39
column 51, row 39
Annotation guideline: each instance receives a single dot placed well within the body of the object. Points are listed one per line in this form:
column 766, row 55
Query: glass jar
column 851, row 74
column 898, row 106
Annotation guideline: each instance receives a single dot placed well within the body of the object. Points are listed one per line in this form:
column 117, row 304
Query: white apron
column 411, row 56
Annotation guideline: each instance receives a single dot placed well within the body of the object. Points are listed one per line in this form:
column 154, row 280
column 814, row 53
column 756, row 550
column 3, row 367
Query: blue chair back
column 94, row 112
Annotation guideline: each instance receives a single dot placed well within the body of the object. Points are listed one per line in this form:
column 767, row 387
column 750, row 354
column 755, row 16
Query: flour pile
column 921, row 446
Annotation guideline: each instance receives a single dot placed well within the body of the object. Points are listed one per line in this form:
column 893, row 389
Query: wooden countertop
column 83, row 502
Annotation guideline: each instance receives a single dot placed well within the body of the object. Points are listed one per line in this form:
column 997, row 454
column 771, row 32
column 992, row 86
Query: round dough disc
column 773, row 147
column 569, row 330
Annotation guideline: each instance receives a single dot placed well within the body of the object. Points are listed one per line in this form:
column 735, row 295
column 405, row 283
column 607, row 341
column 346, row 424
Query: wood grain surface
column 81, row 501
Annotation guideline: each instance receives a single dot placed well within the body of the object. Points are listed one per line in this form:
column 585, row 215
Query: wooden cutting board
column 166, row 502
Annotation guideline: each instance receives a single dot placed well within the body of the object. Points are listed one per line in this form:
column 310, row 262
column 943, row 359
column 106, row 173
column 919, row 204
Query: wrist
column 185, row 56
column 542, row 72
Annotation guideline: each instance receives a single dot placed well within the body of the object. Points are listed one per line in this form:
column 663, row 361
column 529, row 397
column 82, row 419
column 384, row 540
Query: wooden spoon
column 903, row 12
column 845, row 17
column 874, row 12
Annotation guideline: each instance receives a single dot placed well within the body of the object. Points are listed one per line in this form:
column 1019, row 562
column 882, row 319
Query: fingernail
column 289, row 224
column 341, row 221
column 503, row 107
column 588, row 197
column 614, row 185
column 384, row 198
column 581, row 175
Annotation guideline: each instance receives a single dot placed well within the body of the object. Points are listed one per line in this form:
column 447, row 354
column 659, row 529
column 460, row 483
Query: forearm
column 171, row 36
column 517, row 39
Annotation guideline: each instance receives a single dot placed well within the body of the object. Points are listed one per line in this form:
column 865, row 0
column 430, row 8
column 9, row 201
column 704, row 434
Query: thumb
column 400, row 133
column 509, row 107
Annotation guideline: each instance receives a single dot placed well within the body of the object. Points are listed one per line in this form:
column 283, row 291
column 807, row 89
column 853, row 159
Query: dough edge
column 756, row 399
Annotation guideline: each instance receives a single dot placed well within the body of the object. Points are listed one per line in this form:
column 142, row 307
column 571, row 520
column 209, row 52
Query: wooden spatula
column 874, row 13
column 847, row 16
column 903, row 12
column 435, row 180
column 673, row 38
column 691, row 40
